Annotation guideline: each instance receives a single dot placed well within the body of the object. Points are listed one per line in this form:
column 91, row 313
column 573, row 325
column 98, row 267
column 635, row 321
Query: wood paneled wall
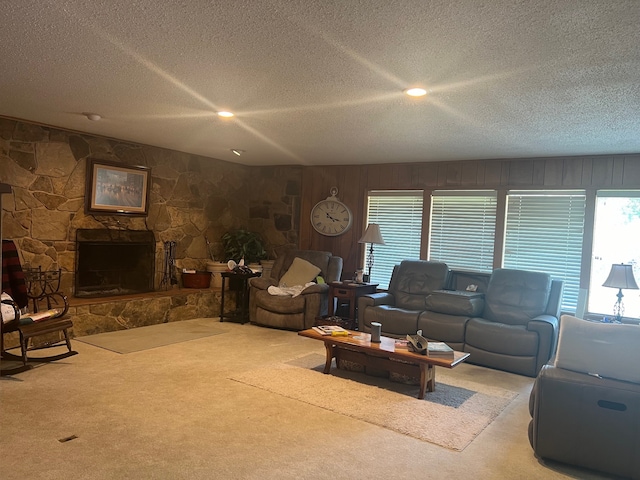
column 355, row 181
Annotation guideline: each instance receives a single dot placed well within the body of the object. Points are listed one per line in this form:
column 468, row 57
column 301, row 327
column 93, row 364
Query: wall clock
column 331, row 217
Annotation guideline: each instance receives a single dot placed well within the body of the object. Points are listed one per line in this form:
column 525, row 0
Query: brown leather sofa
column 585, row 406
column 293, row 313
column 513, row 326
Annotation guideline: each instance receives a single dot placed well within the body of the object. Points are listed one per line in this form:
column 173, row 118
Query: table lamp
column 620, row 276
column 373, row 237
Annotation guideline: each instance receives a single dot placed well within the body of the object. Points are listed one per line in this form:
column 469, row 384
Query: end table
column 349, row 292
column 241, row 313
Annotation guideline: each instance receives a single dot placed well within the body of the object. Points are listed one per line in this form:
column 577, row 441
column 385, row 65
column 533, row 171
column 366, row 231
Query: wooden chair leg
column 23, row 347
column 67, row 339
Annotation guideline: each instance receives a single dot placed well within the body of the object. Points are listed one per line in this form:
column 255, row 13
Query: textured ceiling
column 319, row 82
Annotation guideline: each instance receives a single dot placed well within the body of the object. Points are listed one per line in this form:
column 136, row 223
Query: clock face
column 331, row 217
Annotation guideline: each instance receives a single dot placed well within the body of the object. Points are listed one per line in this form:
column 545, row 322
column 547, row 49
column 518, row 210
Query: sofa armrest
column 375, row 299
column 315, row 288
column 546, row 326
column 541, row 320
column 372, row 300
column 261, row 283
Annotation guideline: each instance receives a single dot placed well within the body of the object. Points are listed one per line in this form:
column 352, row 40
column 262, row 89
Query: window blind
column 399, row 214
column 544, row 232
column 462, row 232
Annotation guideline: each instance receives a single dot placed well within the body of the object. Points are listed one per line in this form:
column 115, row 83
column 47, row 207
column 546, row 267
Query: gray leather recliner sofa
column 518, row 328
column 513, row 326
column 399, row 307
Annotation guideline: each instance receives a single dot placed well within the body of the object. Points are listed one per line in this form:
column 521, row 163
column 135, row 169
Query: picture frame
column 117, row 189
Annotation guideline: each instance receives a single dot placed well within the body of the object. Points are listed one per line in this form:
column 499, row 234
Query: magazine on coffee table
column 329, row 329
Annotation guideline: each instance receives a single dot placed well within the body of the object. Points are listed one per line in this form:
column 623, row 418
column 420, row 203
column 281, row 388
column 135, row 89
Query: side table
column 241, row 313
column 349, row 292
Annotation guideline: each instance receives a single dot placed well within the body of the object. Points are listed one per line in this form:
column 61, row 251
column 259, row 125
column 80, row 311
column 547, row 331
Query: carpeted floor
column 153, row 336
column 173, row 413
column 451, row 417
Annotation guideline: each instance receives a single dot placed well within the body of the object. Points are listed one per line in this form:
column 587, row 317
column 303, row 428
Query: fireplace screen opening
column 114, row 262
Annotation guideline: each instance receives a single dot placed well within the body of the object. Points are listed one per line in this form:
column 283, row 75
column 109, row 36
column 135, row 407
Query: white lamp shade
column 621, row 276
column 372, row 235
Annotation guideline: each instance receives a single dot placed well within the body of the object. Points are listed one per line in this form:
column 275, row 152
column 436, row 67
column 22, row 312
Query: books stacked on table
column 439, row 349
column 334, row 330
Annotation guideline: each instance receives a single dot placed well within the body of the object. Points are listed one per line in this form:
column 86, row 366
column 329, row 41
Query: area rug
column 153, row 336
column 451, row 417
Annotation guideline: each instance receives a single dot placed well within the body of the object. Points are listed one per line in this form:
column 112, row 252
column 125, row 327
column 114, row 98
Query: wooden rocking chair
column 41, row 292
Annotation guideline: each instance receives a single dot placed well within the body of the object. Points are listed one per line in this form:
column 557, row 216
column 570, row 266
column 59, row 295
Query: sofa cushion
column 456, row 302
column 606, row 349
column 279, row 304
column 299, row 273
column 501, row 338
column 516, row 296
column 443, row 327
column 395, row 321
column 414, row 280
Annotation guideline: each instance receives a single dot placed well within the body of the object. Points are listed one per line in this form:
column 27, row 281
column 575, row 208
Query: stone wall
column 192, row 199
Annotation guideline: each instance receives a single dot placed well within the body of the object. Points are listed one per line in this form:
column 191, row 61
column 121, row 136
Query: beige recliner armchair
column 293, row 313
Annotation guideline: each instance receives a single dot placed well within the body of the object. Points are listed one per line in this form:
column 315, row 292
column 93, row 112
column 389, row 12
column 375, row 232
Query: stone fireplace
column 114, row 262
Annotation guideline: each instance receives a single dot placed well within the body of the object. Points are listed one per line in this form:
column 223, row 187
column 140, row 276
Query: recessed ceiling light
column 237, row 151
column 225, row 114
column 94, row 117
column 415, row 92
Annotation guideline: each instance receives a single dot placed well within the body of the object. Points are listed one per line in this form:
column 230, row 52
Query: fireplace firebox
column 114, row 262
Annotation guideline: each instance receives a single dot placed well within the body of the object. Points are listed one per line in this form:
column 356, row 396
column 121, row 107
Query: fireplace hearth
column 114, row 262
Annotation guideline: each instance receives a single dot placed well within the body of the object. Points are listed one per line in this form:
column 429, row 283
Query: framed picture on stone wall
column 116, row 189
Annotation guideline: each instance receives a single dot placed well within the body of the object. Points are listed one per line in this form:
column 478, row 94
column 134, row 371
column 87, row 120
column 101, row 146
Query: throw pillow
column 9, row 308
column 299, row 273
column 605, row 349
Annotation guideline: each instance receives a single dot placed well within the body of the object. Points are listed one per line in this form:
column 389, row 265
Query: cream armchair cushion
column 300, row 272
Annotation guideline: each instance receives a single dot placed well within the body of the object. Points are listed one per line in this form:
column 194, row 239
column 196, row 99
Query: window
column 615, row 240
column 399, row 214
column 544, row 231
column 463, row 225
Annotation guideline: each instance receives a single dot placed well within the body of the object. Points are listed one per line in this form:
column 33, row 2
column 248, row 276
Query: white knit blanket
column 288, row 291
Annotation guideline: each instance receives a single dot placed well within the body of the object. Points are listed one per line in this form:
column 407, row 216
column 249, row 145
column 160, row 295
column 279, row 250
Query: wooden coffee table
column 357, row 348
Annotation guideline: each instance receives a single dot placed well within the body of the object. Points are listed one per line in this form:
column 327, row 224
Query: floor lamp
column 373, row 237
column 620, row 276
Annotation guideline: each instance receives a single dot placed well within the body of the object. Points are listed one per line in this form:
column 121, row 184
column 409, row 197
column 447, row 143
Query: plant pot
column 196, row 280
column 216, row 269
column 267, row 266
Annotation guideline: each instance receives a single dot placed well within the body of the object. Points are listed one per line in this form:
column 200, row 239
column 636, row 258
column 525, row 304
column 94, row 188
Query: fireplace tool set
column 169, row 272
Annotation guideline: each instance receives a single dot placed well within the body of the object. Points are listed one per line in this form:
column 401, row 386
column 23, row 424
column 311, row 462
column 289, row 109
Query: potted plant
column 242, row 244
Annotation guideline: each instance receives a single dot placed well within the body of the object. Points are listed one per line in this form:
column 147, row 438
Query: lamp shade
column 621, row 276
column 372, row 235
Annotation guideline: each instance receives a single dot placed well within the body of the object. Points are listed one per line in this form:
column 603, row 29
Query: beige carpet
column 153, row 336
column 451, row 417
